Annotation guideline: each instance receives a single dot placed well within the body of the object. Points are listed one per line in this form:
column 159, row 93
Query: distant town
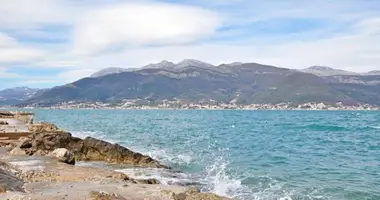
column 205, row 105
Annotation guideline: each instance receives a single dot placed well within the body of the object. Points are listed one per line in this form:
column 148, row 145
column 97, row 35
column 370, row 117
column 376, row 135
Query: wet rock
column 17, row 152
column 89, row 149
column 150, row 181
column 63, row 155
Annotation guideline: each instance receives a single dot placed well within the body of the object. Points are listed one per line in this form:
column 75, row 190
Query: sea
column 244, row 154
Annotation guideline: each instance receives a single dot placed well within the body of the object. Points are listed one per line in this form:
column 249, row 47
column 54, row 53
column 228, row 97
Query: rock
column 25, row 143
column 180, row 196
column 17, row 152
column 89, row 149
column 150, row 181
column 119, row 176
column 193, row 190
column 98, row 150
column 195, row 194
column 43, row 127
column 39, row 153
column 63, row 155
column 8, row 179
column 105, row 196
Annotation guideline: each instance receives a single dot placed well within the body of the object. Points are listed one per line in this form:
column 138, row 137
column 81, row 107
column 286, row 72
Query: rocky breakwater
column 88, row 149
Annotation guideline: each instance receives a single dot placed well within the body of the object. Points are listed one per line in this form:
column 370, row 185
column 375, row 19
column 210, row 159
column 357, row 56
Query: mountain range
column 17, row 95
column 242, row 83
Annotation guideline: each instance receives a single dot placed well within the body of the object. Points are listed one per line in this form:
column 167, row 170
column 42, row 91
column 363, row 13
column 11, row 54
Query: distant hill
column 238, row 83
column 16, row 95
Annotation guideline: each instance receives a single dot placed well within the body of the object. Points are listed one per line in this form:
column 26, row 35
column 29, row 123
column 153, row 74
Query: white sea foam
column 166, row 157
column 285, row 198
column 84, row 134
column 165, row 177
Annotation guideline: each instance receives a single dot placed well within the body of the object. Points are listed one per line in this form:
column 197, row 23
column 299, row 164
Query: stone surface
column 8, row 180
column 89, row 149
column 63, row 155
column 43, row 127
column 150, row 181
column 105, row 196
column 119, row 176
column 194, row 194
column 17, row 152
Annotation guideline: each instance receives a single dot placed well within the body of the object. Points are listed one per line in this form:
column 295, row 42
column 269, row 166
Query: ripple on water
column 261, row 155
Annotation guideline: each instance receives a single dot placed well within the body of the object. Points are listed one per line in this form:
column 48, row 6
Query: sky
column 45, row 43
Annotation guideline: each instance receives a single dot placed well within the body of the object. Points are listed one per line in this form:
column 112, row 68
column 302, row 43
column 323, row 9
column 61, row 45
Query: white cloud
column 143, row 24
column 354, row 50
column 26, row 14
column 12, row 51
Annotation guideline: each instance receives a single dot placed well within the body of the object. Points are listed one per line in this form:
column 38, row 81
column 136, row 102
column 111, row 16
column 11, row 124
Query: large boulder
column 89, row 149
column 63, row 155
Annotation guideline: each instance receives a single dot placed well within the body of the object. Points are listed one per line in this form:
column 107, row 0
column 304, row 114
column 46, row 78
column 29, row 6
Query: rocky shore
column 42, row 166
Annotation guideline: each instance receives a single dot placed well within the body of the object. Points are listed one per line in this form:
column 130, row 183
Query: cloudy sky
column 44, row 43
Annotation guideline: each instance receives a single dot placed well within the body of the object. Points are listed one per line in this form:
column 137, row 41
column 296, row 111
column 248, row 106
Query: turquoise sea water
column 249, row 155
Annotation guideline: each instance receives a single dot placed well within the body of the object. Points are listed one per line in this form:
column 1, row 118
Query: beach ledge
column 41, row 166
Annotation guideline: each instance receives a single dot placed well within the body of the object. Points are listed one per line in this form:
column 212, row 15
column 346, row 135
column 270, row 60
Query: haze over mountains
column 194, row 81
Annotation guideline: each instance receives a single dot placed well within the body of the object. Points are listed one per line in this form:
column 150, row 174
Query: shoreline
column 30, row 169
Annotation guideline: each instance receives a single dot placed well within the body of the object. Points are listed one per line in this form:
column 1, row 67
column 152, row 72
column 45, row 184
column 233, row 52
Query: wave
column 374, row 127
column 214, row 177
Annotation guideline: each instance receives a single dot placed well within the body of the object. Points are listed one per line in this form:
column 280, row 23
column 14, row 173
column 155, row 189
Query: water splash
column 218, row 180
